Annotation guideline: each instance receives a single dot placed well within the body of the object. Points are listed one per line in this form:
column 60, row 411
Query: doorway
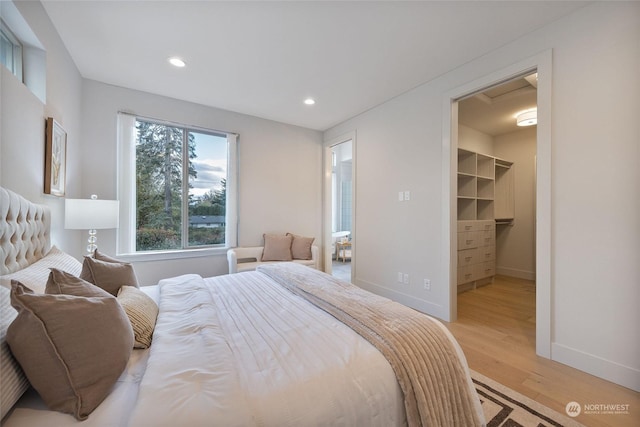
column 339, row 195
column 542, row 63
column 497, row 130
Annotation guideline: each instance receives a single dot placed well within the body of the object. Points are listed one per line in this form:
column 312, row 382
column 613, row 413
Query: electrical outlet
column 400, row 196
column 427, row 284
column 399, row 277
column 405, row 279
column 407, row 195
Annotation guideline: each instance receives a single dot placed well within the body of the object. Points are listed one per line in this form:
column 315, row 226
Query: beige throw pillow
column 104, row 257
column 72, row 349
column 110, row 276
column 61, row 282
column 142, row 312
column 301, row 246
column 277, row 248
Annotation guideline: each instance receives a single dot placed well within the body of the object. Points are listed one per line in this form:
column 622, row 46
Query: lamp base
column 92, row 240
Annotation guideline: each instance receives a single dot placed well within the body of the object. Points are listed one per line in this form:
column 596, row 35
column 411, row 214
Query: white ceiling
column 493, row 111
column 264, row 58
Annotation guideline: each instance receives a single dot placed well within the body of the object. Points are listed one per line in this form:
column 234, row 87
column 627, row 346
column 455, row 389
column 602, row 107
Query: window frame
column 126, row 238
column 16, row 51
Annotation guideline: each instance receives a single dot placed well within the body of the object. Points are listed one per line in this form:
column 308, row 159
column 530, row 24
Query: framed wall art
column 55, row 158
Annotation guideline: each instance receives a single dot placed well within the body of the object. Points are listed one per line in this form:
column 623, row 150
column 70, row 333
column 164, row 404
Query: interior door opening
column 339, row 208
column 496, row 199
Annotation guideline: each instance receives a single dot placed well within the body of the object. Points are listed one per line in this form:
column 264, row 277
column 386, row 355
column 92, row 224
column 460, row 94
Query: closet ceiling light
column 177, row 62
column 527, row 118
column 309, row 101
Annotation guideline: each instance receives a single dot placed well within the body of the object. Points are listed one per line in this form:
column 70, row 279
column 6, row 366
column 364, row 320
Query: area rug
column 508, row 408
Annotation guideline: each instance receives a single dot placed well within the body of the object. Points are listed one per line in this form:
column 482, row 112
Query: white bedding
column 264, row 356
column 260, row 356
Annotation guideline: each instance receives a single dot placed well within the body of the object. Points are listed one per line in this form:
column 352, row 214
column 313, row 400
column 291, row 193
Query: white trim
column 541, row 62
column 326, row 181
column 231, row 230
column 126, row 240
column 611, row 371
column 514, row 272
column 177, row 254
column 422, row 305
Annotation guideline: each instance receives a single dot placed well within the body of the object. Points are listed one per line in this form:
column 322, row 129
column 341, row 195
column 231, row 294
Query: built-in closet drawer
column 487, row 238
column 485, row 253
column 476, row 250
column 486, row 225
column 486, row 269
column 468, row 239
column 467, row 226
column 468, row 257
column 467, row 274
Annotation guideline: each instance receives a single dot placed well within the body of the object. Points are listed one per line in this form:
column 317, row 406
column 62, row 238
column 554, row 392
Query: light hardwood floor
column 496, row 330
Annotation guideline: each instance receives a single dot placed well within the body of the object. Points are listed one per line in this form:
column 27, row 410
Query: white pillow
column 36, row 275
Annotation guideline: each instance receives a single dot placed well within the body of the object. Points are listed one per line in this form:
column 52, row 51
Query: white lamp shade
column 88, row 214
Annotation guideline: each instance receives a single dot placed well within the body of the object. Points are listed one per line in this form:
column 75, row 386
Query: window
column 176, row 186
column 10, row 51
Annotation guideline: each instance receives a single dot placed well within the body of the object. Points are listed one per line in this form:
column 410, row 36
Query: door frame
column 542, row 63
column 327, row 199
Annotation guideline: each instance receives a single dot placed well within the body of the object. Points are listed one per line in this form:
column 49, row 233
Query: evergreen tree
column 159, row 152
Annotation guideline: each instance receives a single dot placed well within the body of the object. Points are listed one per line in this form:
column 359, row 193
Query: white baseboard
column 594, row 365
column 412, row 301
column 512, row 272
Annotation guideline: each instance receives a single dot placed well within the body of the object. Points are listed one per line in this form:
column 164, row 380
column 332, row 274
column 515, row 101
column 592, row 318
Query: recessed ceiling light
column 309, row 101
column 177, row 62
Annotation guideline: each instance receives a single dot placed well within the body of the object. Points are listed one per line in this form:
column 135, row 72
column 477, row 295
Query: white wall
column 595, row 182
column 280, row 170
column 473, row 140
column 23, row 125
column 515, row 244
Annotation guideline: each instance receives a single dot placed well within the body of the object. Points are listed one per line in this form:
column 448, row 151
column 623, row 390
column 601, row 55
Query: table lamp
column 91, row 214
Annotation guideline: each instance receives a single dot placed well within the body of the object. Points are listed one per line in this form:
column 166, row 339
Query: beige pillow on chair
column 301, row 246
column 277, row 248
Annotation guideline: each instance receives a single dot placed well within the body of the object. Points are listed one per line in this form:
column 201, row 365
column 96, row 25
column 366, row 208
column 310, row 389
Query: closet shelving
column 485, row 198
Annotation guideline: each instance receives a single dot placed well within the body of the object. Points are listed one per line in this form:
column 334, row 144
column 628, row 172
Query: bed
column 285, row 345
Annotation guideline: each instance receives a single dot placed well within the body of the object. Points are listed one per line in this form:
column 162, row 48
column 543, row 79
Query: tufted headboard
column 24, row 232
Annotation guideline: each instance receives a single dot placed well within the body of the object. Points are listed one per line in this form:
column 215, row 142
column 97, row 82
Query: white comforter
column 240, row 350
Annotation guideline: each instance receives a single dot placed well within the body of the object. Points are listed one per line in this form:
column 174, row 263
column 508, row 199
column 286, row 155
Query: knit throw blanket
column 428, row 363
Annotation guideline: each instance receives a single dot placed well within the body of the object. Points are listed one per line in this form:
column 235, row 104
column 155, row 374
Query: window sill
column 174, row 254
